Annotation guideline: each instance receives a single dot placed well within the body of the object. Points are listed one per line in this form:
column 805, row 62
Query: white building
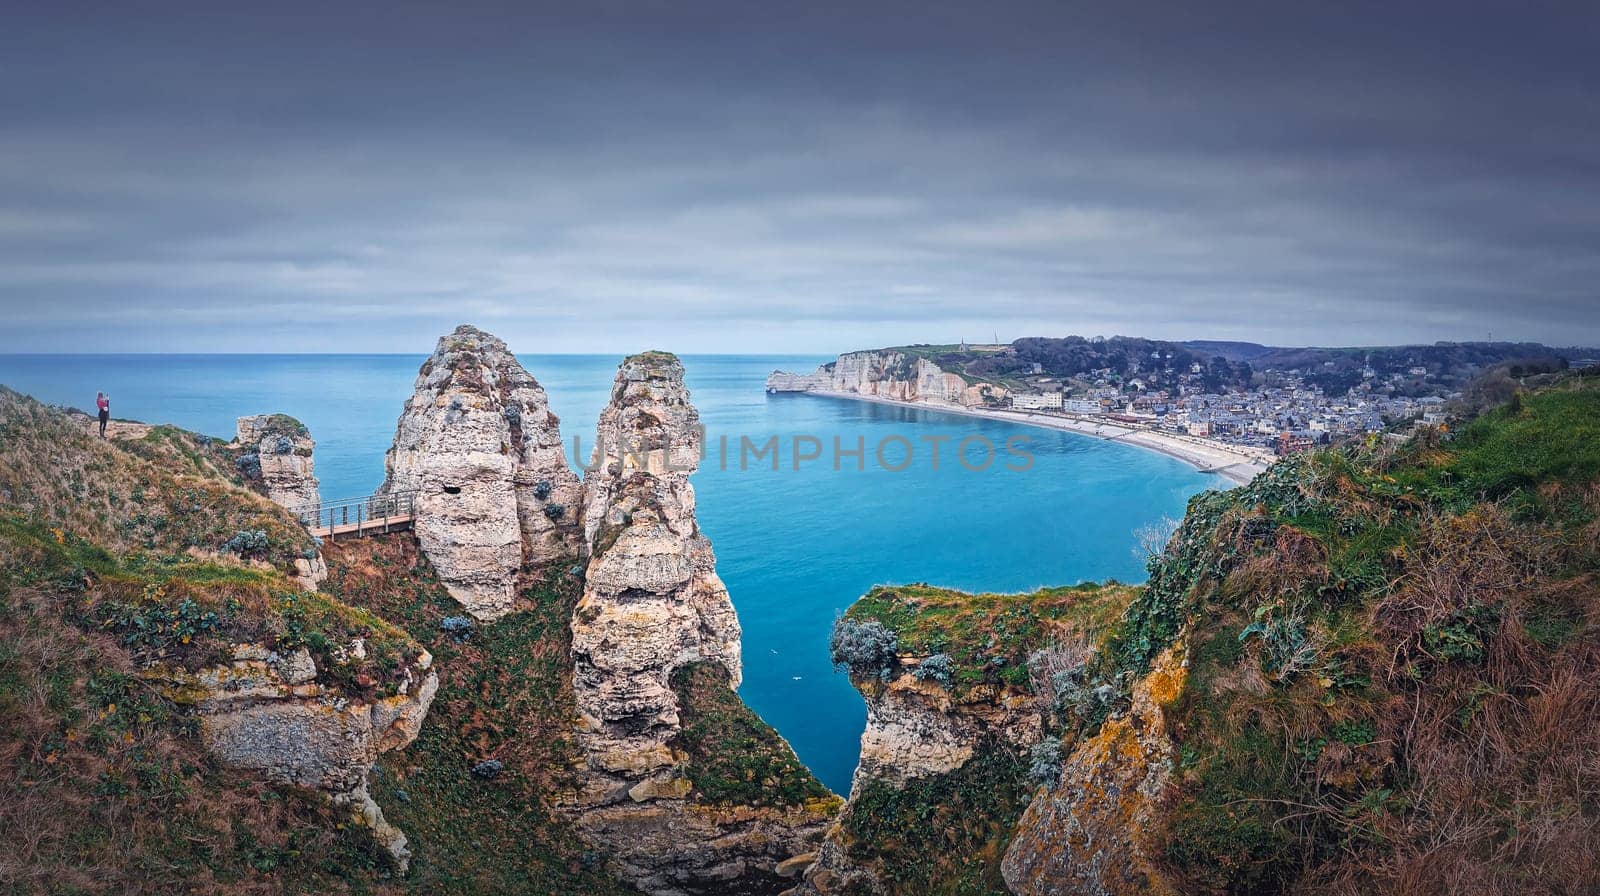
column 1037, row 401
column 1083, row 405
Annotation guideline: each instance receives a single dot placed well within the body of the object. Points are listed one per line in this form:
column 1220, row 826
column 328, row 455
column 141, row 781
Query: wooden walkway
column 359, row 516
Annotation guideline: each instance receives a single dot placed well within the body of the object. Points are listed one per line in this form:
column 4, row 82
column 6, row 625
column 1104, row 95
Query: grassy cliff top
column 170, row 492
column 987, row 637
column 121, row 562
column 1393, row 658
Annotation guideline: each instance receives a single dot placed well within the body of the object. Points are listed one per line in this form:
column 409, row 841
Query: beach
column 1237, row 464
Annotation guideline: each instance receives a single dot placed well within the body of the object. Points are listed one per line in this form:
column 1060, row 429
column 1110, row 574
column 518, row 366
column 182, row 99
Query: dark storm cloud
column 753, row 177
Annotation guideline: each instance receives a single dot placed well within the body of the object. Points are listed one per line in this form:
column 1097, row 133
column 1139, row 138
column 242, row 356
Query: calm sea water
column 795, row 547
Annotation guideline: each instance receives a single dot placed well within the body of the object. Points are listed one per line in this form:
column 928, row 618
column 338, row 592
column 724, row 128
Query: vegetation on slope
column 735, row 759
column 170, row 492
column 108, row 565
column 504, row 697
column 105, row 789
column 1394, row 664
column 986, row 639
column 941, row 835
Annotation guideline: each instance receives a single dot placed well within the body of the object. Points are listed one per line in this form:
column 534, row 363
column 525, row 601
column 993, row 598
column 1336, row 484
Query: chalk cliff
column 655, row 644
column 890, row 374
column 958, row 692
column 1092, row 830
column 283, row 464
column 271, row 711
column 652, row 600
column 479, row 446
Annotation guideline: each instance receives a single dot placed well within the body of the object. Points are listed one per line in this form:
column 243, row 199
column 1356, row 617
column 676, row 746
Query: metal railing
column 371, row 512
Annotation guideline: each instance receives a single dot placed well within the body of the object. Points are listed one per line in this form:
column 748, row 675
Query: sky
column 795, row 177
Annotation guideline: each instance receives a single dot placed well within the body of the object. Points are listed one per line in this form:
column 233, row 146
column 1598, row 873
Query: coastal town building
column 1038, row 401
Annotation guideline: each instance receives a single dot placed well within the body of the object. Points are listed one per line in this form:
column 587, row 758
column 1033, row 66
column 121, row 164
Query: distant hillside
column 1232, row 351
column 1215, row 365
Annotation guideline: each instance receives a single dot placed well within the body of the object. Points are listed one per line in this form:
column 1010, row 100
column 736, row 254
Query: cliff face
column 917, row 727
column 268, row 711
column 957, row 699
column 479, row 446
column 652, row 608
column 886, row 374
column 282, row 448
column 1092, row 830
column 652, row 601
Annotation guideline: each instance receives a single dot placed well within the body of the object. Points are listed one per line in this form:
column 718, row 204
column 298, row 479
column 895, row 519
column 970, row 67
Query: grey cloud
column 726, row 178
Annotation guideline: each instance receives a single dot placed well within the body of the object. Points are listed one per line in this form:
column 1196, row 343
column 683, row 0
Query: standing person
column 104, row 404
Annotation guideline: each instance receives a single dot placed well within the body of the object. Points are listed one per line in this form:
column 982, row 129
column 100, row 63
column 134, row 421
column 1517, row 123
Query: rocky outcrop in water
column 479, row 446
column 269, row 711
column 889, row 374
column 277, row 453
column 653, row 605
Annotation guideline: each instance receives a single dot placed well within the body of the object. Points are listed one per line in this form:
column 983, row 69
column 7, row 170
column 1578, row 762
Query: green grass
column 988, row 636
column 503, row 694
column 735, row 759
column 1551, row 436
column 941, row 834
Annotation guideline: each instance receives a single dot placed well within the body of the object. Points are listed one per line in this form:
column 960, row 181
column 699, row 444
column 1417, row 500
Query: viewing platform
column 370, row 515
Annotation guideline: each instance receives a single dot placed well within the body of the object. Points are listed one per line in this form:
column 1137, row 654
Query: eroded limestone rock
column 1090, row 833
column 283, row 448
column 479, row 446
column 917, row 728
column 652, row 603
column 652, row 600
column 266, row 711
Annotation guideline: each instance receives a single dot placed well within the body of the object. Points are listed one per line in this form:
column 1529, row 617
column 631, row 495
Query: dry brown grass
column 1498, row 760
column 148, row 494
column 101, row 793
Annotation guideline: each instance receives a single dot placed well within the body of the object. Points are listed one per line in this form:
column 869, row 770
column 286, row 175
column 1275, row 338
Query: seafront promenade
column 1235, row 463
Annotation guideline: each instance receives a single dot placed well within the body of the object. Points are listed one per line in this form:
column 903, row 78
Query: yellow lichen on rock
column 1090, row 834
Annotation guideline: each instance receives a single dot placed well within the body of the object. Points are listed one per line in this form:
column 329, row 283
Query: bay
column 796, row 545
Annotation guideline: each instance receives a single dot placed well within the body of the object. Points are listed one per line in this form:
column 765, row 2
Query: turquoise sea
column 795, row 546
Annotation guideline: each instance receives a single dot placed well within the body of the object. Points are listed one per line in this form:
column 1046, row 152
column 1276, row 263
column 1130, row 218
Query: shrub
column 863, row 648
column 1044, row 761
column 246, row 542
column 249, row 465
column 938, row 667
column 457, row 627
column 151, row 623
column 282, row 445
column 541, row 489
column 554, row 511
column 1288, row 646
